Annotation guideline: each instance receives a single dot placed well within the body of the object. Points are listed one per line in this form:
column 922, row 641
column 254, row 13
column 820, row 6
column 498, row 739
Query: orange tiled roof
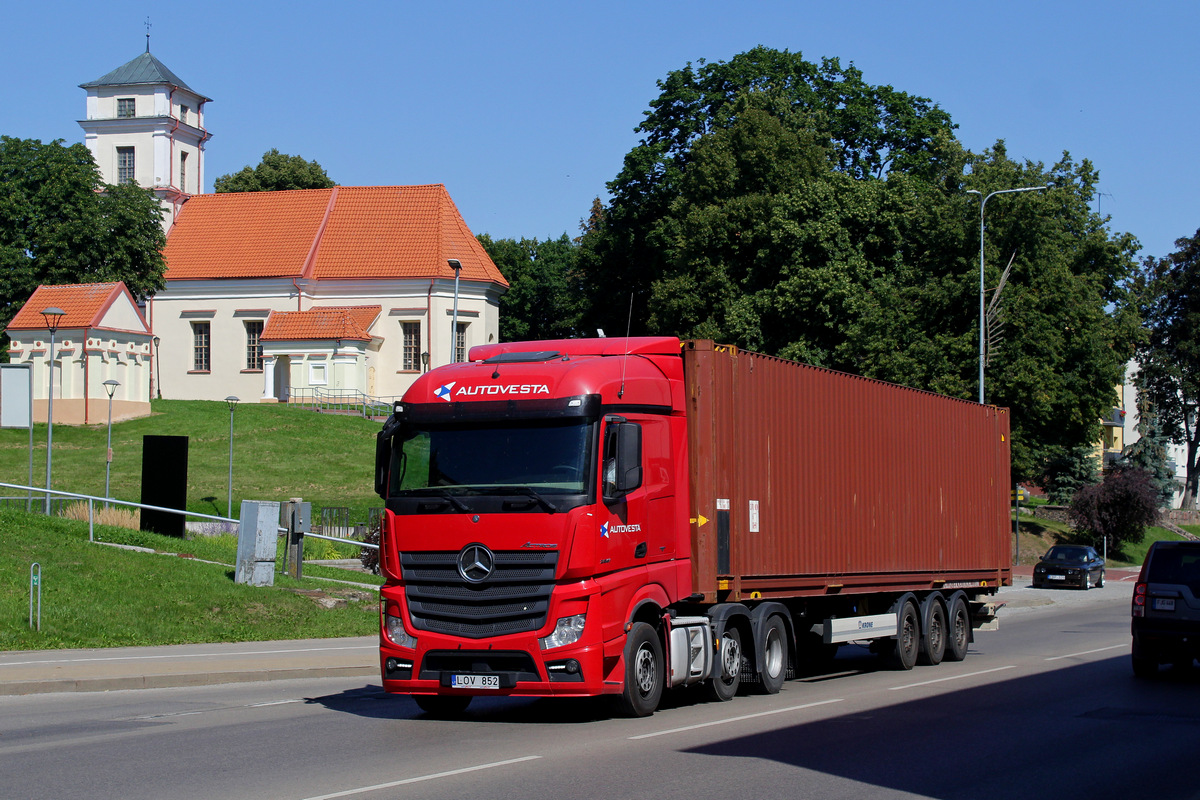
column 374, row 232
column 85, row 304
column 333, row 322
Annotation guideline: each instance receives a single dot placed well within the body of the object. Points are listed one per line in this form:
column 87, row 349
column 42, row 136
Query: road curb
column 175, row 680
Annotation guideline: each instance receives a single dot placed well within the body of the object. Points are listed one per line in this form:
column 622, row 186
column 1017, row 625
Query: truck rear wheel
column 724, row 685
column 959, row 628
column 643, row 671
column 772, row 659
column 933, row 639
column 902, row 652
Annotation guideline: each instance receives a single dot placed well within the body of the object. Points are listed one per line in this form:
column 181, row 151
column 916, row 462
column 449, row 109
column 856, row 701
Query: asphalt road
column 1045, row 707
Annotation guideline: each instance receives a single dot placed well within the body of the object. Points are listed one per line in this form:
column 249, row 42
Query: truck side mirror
column 622, row 459
column 383, row 454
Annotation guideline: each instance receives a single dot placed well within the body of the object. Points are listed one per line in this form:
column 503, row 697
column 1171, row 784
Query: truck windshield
column 547, row 457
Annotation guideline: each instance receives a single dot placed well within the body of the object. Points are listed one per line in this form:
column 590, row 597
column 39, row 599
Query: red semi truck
column 622, row 516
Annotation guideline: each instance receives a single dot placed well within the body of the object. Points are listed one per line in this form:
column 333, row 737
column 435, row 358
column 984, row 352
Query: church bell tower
column 144, row 125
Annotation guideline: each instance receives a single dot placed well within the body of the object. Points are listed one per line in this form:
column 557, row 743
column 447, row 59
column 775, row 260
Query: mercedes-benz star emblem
column 475, row 563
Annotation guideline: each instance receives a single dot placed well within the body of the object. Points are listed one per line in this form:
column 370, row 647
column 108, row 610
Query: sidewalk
column 106, row 669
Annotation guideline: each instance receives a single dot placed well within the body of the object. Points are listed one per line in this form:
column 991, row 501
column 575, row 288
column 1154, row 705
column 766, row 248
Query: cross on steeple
column 147, row 34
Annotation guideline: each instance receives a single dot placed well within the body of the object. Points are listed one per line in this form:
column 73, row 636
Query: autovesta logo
column 449, row 392
column 608, row 528
column 476, row 563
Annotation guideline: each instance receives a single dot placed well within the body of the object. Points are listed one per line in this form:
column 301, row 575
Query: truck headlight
column 394, row 627
column 566, row 631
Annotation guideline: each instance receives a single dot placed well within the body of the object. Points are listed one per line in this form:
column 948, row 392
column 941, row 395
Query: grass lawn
column 1037, row 535
column 95, row 595
column 279, row 452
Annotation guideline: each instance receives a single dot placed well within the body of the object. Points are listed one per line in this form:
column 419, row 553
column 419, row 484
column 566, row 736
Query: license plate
column 490, row 682
column 1057, row 577
column 1164, row 604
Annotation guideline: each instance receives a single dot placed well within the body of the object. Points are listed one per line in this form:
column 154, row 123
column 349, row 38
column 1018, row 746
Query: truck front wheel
column 643, row 671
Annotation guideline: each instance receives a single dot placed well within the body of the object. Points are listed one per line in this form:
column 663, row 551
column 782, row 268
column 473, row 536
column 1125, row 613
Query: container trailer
column 625, row 516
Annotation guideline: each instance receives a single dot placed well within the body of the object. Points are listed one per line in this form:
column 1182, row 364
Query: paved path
column 105, row 669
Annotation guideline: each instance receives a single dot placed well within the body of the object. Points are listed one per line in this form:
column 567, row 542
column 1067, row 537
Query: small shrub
column 1119, row 508
column 116, row 516
column 368, row 557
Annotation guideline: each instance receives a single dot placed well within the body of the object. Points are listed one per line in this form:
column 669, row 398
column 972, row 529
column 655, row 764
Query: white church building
column 353, row 290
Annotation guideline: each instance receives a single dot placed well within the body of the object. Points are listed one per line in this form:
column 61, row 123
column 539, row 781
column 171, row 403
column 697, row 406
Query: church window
column 460, row 342
column 201, row 347
column 254, row 350
column 411, row 336
column 125, row 172
column 183, row 113
column 183, row 172
column 125, row 107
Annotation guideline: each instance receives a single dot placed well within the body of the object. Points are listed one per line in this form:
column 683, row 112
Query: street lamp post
column 982, row 289
column 456, row 265
column 110, row 386
column 52, row 316
column 157, row 374
column 232, row 401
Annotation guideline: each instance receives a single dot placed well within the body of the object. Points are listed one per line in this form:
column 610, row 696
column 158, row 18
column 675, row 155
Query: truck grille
column 515, row 598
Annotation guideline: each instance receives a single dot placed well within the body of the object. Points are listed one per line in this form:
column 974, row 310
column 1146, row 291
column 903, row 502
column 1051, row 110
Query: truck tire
column 958, row 629
column 442, row 706
column 773, row 658
column 901, row 653
column 724, row 685
column 643, row 671
column 933, row 638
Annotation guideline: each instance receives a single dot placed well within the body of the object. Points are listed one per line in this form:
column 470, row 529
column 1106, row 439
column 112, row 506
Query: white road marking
column 734, row 719
column 1089, row 652
column 419, row 779
column 951, row 678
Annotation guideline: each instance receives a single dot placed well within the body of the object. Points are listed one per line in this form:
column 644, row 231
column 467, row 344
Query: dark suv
column 1166, row 608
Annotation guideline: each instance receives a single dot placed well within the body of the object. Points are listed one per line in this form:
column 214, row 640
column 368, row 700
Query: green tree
column 1068, row 470
column 59, row 223
column 276, row 172
column 1149, row 452
column 543, row 300
column 1169, row 375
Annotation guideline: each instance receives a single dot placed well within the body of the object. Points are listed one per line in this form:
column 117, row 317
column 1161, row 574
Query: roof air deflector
column 528, row 357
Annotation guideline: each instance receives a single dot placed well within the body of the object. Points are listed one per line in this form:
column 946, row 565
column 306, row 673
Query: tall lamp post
column 52, row 316
column 110, row 386
column 157, row 371
column 455, row 265
column 982, row 289
column 232, row 401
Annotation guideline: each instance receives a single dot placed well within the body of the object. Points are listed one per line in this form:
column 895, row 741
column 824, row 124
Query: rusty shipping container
column 812, row 482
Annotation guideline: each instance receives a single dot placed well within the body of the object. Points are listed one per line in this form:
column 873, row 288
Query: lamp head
column 232, row 401
column 53, row 316
column 110, row 386
column 454, row 263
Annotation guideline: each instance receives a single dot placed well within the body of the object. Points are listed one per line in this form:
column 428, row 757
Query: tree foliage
column 1069, row 469
column 1119, row 508
column 1169, row 358
column 543, row 300
column 276, row 172
column 1149, row 452
column 59, row 224
column 794, row 209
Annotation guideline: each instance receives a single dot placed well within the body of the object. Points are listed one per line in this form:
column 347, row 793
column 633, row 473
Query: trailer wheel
column 724, row 685
column 959, row 629
column 902, row 652
column 772, row 659
column 442, row 706
column 643, row 671
column 933, row 639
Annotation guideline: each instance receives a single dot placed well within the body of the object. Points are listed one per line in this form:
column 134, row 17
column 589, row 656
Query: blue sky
column 525, row 110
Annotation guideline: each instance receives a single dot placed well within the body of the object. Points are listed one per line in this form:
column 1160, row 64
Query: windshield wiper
column 532, row 494
column 444, row 495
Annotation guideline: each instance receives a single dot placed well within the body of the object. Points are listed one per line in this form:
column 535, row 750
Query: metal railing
column 93, row 499
column 341, row 400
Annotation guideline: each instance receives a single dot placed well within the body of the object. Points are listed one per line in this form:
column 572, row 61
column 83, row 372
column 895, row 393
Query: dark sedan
column 1069, row 565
